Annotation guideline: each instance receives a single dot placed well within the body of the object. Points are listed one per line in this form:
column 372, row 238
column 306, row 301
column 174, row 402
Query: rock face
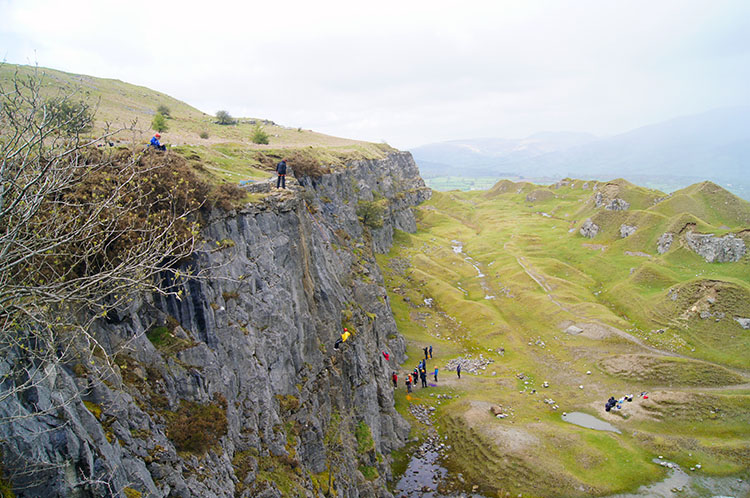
column 726, row 249
column 248, row 359
column 589, row 229
column 627, row 230
column 664, row 242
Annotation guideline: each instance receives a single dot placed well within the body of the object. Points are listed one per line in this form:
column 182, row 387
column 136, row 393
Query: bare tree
column 82, row 230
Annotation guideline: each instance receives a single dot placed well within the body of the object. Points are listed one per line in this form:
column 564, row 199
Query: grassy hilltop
column 505, row 272
column 227, row 154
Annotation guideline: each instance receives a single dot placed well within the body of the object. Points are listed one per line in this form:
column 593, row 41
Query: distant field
column 739, row 187
column 447, row 183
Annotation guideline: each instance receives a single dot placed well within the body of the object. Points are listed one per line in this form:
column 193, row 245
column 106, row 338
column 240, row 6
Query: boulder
column 573, row 330
column 744, row 322
column 589, row 229
column 664, row 242
column 496, row 410
column 627, row 230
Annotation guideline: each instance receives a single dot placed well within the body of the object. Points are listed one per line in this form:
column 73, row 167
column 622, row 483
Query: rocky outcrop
column 589, row 229
column 243, row 361
column 744, row 322
column 612, row 204
column 726, row 249
column 627, row 230
column 664, row 242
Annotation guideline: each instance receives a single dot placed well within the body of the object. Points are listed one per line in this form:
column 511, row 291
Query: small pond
column 589, row 421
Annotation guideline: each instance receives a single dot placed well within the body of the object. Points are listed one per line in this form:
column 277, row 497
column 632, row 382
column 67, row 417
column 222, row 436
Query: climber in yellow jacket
column 344, row 336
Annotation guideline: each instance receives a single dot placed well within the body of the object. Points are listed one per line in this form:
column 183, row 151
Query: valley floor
column 545, row 322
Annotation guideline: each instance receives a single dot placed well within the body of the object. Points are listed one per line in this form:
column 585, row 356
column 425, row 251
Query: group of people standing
column 419, row 372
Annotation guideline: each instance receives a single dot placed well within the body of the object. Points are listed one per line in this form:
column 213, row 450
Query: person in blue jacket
column 155, row 143
column 281, row 170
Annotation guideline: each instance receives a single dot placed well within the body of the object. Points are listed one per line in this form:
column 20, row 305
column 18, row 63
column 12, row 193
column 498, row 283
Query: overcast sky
column 408, row 72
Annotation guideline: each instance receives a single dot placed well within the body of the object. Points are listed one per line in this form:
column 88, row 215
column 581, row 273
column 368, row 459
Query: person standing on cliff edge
column 281, row 170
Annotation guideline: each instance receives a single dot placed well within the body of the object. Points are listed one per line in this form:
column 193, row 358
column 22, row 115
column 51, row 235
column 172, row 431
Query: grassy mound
column 659, row 370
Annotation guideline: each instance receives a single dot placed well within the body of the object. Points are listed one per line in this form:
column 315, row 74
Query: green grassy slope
column 228, row 153
column 524, row 274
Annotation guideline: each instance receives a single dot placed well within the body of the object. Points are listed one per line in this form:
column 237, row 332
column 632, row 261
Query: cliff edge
column 231, row 387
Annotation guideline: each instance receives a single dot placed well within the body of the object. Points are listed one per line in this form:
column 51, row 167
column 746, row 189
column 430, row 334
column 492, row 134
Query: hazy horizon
column 408, row 74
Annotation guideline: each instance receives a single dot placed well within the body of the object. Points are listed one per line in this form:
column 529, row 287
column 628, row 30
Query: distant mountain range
column 714, row 145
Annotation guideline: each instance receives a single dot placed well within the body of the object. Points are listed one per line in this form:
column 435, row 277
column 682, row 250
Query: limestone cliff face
column 250, row 340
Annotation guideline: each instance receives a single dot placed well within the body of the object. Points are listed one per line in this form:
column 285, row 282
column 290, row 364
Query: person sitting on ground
column 344, row 336
column 611, row 402
column 156, row 144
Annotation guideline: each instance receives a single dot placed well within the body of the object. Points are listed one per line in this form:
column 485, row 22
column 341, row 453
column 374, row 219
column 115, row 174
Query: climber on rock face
column 344, row 336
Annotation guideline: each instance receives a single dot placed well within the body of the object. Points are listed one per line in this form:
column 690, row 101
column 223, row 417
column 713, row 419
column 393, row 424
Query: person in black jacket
column 281, row 170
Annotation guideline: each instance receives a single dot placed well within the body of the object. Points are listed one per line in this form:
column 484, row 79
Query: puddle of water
column 589, row 421
column 423, row 472
column 681, row 484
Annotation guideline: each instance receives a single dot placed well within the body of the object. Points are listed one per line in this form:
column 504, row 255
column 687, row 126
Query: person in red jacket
column 395, row 380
